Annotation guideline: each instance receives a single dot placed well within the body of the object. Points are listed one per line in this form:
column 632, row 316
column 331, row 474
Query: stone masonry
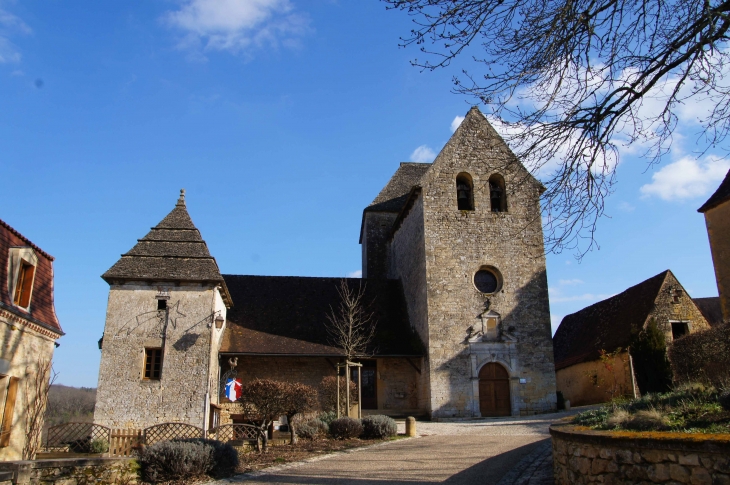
column 435, row 249
column 583, row 457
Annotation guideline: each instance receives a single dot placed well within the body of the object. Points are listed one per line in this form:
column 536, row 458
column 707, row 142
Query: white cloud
column 574, row 281
column 423, row 154
column 455, row 124
column 355, row 274
column 687, row 178
column 584, row 297
column 237, row 26
column 626, row 207
column 10, row 24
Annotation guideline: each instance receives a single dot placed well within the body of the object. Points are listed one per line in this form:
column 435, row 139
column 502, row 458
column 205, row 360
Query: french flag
column 233, row 389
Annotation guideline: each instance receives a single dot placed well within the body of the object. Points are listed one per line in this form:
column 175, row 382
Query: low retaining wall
column 72, row 471
column 583, row 456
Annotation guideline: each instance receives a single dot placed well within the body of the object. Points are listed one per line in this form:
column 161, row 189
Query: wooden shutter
column 28, row 272
column 8, row 412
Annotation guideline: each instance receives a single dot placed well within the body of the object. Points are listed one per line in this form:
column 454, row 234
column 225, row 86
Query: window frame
column 497, row 180
column 466, row 179
column 22, row 270
column 150, row 352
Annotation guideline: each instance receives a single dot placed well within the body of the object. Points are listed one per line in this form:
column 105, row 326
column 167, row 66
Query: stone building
column 717, row 219
column 30, row 329
column 453, row 270
column 609, row 325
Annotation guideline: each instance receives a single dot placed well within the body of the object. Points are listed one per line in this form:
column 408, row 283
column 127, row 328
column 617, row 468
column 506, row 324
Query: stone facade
column 583, row 457
column 591, row 382
column 436, row 249
column 72, row 471
column 27, row 335
column 186, row 333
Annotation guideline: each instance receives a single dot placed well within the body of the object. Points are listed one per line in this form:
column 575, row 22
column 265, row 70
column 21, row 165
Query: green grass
column 690, row 409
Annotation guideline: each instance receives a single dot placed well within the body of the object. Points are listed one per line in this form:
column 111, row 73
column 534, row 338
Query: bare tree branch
column 574, row 80
column 351, row 327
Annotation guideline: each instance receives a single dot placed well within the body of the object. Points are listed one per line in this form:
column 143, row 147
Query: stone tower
column 165, row 317
column 464, row 235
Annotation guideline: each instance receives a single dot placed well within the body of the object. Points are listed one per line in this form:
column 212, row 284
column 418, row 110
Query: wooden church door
column 494, row 391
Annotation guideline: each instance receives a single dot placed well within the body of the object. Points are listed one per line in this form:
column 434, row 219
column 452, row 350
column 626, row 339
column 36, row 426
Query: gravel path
column 502, row 451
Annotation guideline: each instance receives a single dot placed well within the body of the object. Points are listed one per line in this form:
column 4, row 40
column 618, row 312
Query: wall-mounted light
column 219, row 321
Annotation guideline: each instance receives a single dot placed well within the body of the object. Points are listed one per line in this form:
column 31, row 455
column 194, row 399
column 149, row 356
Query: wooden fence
column 124, row 442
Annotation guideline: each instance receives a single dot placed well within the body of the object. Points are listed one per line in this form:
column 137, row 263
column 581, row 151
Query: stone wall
column 186, row 332
column 23, row 345
column 591, row 383
column 666, row 309
column 717, row 220
column 72, row 471
column 583, row 457
column 457, row 244
column 408, row 263
column 376, row 231
column 397, row 379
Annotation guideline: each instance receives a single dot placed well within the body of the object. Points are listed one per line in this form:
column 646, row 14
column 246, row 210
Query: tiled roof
column 172, row 251
column 395, row 193
column 721, row 195
column 710, row 309
column 42, row 310
column 286, row 315
column 605, row 325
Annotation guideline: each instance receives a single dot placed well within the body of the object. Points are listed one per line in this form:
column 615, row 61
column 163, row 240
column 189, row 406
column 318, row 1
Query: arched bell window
column 497, row 193
column 464, row 192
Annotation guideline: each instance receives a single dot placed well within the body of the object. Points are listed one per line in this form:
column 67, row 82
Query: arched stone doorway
column 494, row 399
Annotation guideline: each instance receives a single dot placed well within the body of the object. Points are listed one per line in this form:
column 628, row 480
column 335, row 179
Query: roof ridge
column 30, row 243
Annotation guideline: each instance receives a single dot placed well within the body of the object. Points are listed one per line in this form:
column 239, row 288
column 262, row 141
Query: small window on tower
column 497, row 193
column 162, row 304
column 679, row 329
column 152, row 364
column 464, row 192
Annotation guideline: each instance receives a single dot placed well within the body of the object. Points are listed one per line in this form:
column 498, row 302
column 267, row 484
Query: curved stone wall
column 583, row 456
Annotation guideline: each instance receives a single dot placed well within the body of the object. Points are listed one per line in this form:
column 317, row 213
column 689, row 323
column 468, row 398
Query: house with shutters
column 453, row 269
column 29, row 328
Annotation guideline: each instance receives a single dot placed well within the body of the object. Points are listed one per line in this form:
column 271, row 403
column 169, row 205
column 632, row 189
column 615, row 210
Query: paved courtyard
column 500, row 451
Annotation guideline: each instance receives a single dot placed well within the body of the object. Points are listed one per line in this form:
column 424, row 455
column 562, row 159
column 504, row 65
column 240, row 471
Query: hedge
column 702, row 357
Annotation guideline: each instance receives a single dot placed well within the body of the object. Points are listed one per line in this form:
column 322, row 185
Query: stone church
column 453, row 269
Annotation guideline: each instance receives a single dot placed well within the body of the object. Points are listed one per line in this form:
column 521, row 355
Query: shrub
column 724, row 400
column 176, row 460
column 327, row 417
column 649, row 353
column 328, row 393
column 225, row 456
column 312, row 429
column 618, row 418
column 652, row 420
column 345, row 428
column 98, row 446
column 379, row 427
column 702, row 356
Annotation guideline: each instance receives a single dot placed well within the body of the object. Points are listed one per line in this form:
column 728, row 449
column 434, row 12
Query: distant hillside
column 67, row 404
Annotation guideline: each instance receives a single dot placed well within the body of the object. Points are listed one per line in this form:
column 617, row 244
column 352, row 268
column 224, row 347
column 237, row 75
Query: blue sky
column 282, row 120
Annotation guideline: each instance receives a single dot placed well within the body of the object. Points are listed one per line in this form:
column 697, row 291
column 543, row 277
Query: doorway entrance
column 369, row 383
column 494, row 391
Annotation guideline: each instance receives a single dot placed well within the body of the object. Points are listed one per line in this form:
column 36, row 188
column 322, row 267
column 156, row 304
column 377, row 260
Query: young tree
column 264, row 400
column 298, row 398
column 573, row 80
column 351, row 328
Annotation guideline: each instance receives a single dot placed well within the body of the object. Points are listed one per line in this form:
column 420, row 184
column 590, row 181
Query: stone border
column 582, row 455
column 66, row 470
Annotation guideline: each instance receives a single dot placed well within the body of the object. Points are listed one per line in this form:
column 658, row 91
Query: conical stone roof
column 172, row 251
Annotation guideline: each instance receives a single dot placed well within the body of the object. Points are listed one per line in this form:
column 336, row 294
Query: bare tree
column 35, row 397
column 351, row 326
column 571, row 81
column 298, row 398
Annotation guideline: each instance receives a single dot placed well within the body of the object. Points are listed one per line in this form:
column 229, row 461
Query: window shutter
column 28, row 272
column 9, row 410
